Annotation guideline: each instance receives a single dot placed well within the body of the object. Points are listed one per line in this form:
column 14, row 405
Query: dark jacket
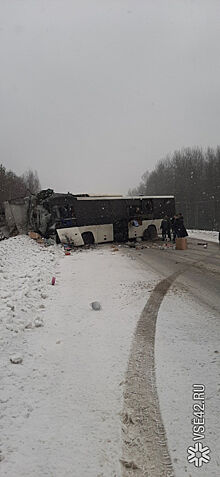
column 164, row 225
column 180, row 227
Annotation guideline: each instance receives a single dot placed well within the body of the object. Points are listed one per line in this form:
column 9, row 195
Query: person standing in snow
column 180, row 227
column 174, row 227
column 165, row 227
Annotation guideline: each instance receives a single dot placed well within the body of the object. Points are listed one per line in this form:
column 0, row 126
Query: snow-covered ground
column 208, row 235
column 187, row 353
column 61, row 406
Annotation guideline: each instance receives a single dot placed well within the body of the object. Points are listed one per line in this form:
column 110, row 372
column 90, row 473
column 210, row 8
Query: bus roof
column 108, row 197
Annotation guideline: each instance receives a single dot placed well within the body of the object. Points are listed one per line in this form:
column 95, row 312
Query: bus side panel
column 70, row 235
column 155, row 222
column 104, row 233
column 134, row 232
column 101, row 234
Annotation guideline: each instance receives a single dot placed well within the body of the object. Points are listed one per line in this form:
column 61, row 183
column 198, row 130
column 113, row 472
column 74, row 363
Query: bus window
column 147, row 205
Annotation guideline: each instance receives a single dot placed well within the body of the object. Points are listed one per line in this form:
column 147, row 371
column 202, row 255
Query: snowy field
column 208, row 235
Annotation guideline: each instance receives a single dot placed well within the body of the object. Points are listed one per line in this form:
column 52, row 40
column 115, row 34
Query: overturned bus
column 86, row 219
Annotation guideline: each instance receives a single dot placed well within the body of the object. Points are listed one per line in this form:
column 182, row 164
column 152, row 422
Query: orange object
column 181, row 243
column 34, row 235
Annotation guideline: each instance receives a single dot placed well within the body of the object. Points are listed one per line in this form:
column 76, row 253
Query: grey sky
column 94, row 92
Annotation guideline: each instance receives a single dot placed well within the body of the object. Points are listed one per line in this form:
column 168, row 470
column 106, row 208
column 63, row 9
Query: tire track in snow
column 145, row 450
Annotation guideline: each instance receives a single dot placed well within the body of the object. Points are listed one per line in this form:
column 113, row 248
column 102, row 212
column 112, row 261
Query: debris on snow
column 95, row 305
column 129, row 464
column 16, row 359
column 34, row 235
column 28, row 326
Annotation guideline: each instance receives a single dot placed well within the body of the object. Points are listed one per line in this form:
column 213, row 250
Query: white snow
column 62, row 397
column 207, row 235
column 61, row 407
column 187, row 353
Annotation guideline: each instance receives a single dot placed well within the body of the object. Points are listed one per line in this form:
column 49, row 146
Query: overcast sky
column 94, row 92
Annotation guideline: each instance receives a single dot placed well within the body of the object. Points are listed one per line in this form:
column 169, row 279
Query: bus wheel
column 146, row 235
column 88, row 238
column 152, row 232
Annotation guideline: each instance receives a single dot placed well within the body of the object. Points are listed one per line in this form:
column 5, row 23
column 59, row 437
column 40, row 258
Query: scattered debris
column 68, row 246
column 16, row 359
column 28, row 326
column 131, row 244
column 96, row 305
column 129, row 464
column 34, row 235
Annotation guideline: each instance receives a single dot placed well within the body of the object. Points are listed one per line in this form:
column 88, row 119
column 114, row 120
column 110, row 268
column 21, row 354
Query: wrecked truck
column 87, row 219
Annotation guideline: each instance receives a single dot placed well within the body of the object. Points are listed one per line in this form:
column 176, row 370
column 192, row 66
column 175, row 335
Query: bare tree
column 13, row 186
column 31, row 181
column 193, row 176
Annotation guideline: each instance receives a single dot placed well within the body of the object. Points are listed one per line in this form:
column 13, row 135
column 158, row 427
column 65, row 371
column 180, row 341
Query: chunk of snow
column 16, row 359
column 38, row 322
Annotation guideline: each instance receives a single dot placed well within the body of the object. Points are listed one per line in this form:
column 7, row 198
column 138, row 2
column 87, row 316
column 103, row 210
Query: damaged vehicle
column 87, row 219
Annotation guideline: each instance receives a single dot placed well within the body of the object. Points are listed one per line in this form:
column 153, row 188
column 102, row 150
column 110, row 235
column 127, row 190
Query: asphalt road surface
column 198, row 268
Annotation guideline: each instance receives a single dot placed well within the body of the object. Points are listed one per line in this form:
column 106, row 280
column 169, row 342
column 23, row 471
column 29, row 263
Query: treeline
column 193, row 176
column 13, row 186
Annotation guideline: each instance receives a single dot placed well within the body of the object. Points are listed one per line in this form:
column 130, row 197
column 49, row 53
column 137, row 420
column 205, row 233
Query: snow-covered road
column 62, row 409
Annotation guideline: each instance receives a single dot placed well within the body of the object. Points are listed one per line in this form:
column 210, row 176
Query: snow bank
column 62, row 405
column 25, row 276
column 25, row 272
column 208, row 235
